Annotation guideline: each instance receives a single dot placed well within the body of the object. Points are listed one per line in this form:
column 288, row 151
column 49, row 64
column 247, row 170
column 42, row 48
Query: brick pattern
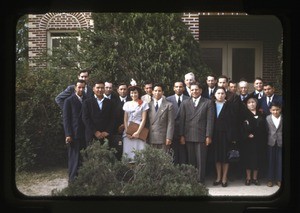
column 40, row 24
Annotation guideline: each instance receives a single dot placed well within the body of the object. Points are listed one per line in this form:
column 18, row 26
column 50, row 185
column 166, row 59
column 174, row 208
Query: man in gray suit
column 196, row 128
column 161, row 119
column 179, row 150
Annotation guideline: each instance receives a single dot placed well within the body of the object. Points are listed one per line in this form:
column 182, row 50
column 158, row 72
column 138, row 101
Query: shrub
column 152, row 174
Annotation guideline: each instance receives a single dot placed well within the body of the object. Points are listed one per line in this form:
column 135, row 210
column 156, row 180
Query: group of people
column 198, row 124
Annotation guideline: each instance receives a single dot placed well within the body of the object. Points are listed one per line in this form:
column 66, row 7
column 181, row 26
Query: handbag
column 233, row 155
column 133, row 127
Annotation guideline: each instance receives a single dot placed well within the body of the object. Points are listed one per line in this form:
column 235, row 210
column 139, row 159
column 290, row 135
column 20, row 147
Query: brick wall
column 40, row 24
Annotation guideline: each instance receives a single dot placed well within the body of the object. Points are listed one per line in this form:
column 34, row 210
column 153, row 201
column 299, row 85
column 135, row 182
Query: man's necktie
column 179, row 102
column 156, row 107
column 195, row 103
column 269, row 102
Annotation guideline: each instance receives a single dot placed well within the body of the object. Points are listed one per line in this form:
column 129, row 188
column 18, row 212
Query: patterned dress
column 134, row 114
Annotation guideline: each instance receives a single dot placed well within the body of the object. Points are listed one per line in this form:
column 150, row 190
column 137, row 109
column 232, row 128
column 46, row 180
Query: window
column 63, row 41
column 233, row 59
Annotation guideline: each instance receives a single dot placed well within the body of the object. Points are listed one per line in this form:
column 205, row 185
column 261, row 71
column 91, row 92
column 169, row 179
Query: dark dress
column 253, row 149
column 225, row 131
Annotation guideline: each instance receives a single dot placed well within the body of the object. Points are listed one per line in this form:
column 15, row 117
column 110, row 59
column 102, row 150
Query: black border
column 288, row 201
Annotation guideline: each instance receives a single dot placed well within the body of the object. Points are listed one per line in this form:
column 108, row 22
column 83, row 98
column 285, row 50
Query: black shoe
column 216, row 183
column 247, row 182
column 256, row 182
column 224, row 184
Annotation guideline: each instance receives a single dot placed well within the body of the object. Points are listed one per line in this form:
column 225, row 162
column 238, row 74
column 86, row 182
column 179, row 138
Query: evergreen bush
column 152, row 174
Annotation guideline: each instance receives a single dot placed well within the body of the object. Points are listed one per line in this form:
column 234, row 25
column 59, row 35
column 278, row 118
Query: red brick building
column 233, row 44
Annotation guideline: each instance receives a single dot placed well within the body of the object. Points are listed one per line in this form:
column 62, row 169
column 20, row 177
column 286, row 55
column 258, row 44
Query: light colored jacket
column 161, row 123
column 274, row 134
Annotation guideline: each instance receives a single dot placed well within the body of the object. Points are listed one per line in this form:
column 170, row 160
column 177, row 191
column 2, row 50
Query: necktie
column 269, row 102
column 195, row 104
column 156, row 107
column 179, row 102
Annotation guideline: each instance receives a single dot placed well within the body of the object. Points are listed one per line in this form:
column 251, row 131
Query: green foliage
column 39, row 134
column 155, row 47
column 152, row 174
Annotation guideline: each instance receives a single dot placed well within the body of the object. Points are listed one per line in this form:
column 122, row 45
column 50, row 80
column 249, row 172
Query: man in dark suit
column 98, row 115
column 82, row 75
column 74, row 128
column 268, row 98
column 109, row 91
column 258, row 92
column 180, row 153
column 189, row 78
column 209, row 90
column 196, row 128
column 118, row 129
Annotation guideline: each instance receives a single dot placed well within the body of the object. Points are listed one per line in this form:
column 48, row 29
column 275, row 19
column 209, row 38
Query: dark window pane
column 213, row 58
column 243, row 64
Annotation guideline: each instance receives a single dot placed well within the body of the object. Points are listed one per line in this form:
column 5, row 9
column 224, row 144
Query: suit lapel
column 198, row 108
column 160, row 110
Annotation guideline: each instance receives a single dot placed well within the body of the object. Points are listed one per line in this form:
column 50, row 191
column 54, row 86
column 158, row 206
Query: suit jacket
column 176, row 110
column 196, row 123
column 226, row 122
column 72, row 117
column 119, row 113
column 161, row 123
column 264, row 106
column 274, row 135
column 96, row 119
column 185, row 92
column 206, row 91
column 60, row 98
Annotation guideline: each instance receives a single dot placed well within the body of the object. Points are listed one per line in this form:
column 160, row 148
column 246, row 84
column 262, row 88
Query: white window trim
column 227, row 46
column 49, row 38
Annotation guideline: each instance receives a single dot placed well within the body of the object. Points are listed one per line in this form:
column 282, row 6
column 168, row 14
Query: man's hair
column 223, row 76
column 198, row 84
column 79, row 81
column 84, row 70
column 191, row 74
column 159, row 85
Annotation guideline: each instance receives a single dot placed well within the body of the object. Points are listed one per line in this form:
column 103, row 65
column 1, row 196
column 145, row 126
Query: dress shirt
column 178, row 97
column 276, row 121
column 260, row 94
column 157, row 101
column 196, row 101
column 188, row 90
column 269, row 100
column 100, row 102
column 123, row 99
column 79, row 98
column 107, row 96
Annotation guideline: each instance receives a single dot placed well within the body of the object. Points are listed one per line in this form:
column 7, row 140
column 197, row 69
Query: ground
column 44, row 182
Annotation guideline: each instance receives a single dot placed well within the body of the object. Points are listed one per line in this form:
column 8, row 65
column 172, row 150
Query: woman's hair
column 133, row 88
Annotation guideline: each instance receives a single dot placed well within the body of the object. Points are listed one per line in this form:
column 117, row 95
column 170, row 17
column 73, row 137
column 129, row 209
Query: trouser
column 274, row 163
column 196, row 154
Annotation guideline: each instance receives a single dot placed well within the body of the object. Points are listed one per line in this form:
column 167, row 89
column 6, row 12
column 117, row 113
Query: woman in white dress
column 136, row 111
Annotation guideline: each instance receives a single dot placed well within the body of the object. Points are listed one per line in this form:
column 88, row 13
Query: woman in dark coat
column 253, row 136
column 225, row 133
